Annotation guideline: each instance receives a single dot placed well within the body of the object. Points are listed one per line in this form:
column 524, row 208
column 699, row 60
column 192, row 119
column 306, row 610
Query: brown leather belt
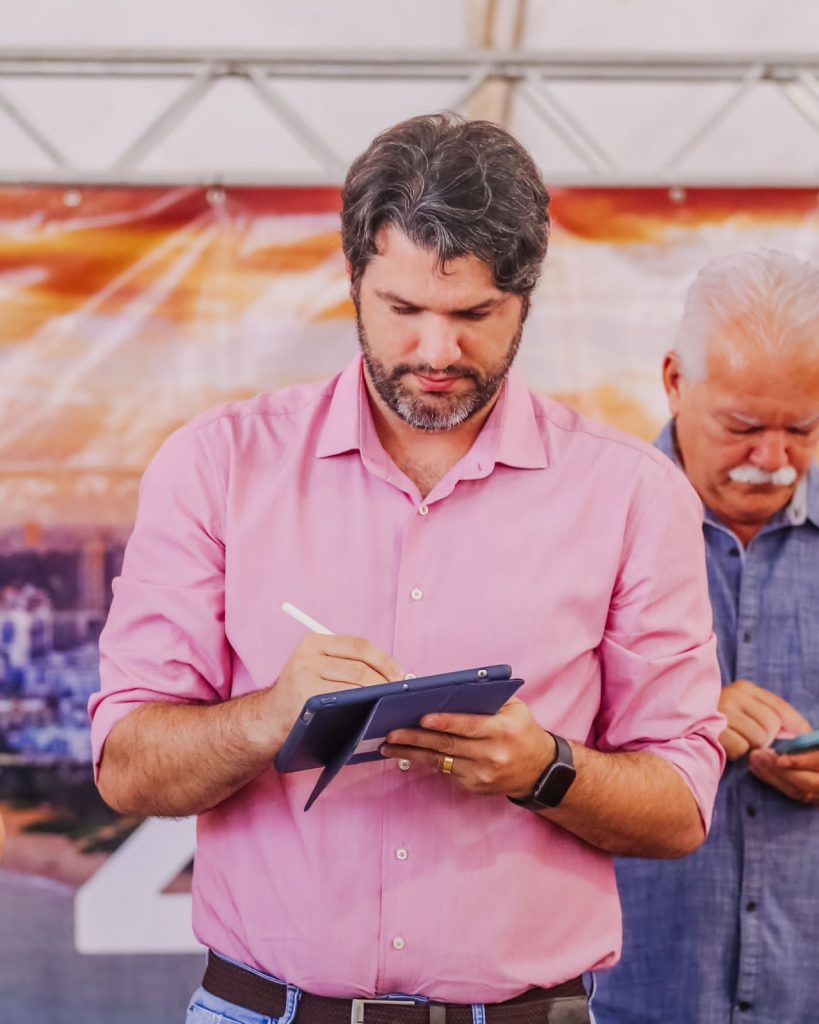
column 563, row 1004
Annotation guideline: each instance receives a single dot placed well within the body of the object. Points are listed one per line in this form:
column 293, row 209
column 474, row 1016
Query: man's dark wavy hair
column 454, row 187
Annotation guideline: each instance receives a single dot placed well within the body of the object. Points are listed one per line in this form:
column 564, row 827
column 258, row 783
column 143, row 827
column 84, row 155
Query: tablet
column 349, row 726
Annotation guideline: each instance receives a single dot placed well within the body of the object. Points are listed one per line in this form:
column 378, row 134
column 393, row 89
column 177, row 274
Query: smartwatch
column 554, row 783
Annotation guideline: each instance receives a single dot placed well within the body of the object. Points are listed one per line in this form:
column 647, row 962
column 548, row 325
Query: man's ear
column 672, row 379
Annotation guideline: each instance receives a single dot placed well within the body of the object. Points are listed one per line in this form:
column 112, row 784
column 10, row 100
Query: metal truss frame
column 529, row 77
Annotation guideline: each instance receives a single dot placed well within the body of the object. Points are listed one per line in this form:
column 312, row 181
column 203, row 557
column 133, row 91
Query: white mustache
column 746, row 474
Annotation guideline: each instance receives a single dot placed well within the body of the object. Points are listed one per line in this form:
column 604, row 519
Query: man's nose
column 438, row 342
column 770, row 451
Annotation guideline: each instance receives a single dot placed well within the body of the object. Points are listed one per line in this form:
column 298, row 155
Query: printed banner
column 124, row 313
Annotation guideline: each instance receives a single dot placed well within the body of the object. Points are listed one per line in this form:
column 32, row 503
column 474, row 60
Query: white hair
column 766, row 298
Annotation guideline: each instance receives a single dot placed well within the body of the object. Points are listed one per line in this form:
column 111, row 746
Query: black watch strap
column 555, row 781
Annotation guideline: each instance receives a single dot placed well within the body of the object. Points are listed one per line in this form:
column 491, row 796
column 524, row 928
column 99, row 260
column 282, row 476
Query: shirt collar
column 666, row 443
column 520, row 443
column 341, row 431
column 804, row 505
column 510, row 436
column 809, row 500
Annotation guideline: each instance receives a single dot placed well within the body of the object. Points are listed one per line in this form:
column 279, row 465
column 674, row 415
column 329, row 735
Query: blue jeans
column 207, row 1009
column 591, row 988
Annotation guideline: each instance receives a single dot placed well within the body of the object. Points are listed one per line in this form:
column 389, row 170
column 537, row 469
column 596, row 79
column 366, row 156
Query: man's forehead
column 394, row 247
column 737, row 364
column 755, row 387
column 412, row 274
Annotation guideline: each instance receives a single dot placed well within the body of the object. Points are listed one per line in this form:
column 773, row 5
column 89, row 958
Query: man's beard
column 435, row 412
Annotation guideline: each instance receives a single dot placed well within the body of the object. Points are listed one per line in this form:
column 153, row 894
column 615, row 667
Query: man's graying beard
column 435, row 412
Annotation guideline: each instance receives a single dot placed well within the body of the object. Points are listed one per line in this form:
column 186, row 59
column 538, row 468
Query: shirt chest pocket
column 808, row 655
column 788, row 657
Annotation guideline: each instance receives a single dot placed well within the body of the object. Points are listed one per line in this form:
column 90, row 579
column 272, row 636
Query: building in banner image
column 53, row 602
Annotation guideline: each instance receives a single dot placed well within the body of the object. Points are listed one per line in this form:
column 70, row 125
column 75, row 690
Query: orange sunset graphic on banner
column 127, row 311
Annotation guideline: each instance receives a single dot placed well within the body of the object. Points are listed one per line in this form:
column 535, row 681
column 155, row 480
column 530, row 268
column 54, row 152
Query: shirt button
column 746, row 636
column 734, row 552
column 401, row 854
column 404, row 764
column 423, row 510
column 750, row 906
column 743, row 1004
column 398, row 942
column 416, row 593
column 750, row 810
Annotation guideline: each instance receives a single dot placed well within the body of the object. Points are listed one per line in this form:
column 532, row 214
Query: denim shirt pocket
column 809, row 650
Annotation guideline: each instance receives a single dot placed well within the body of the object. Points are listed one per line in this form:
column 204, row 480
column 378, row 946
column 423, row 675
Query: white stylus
column 305, row 620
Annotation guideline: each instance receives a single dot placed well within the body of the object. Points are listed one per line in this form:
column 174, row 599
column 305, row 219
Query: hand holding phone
column 790, row 765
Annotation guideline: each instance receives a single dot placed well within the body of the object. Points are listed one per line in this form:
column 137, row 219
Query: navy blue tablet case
column 349, row 726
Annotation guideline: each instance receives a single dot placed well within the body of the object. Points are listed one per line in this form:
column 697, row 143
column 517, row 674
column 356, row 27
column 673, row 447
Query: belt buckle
column 357, row 1008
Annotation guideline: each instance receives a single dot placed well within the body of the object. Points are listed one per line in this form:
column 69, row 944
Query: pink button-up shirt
column 565, row 548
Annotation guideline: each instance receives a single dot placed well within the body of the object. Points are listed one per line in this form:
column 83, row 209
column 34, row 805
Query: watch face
column 551, row 789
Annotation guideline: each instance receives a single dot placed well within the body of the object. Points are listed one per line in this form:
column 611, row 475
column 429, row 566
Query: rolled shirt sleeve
column 660, row 678
column 164, row 638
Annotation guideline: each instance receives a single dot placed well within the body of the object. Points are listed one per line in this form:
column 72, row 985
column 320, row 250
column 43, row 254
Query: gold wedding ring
column 446, row 764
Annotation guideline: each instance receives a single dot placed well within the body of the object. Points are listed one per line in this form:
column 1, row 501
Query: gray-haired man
column 732, row 933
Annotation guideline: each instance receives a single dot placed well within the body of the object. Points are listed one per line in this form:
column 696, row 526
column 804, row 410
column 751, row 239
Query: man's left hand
column 503, row 754
column 795, row 775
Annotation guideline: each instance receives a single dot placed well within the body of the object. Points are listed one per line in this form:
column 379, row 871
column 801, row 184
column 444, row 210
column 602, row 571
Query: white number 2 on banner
column 122, row 908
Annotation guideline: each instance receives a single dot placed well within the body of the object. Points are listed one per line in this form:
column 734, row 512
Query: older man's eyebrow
column 752, row 421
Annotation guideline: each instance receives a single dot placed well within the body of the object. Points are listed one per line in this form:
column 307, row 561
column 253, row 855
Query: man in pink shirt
column 435, row 515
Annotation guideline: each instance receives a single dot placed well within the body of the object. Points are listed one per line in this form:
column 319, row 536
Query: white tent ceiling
column 267, row 91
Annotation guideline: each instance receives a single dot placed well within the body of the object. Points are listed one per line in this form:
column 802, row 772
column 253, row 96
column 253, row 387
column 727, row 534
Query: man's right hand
column 170, row 759
column 755, row 716
column 322, row 664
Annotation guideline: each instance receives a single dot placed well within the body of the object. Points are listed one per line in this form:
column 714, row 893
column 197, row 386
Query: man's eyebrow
column 751, row 421
column 397, row 300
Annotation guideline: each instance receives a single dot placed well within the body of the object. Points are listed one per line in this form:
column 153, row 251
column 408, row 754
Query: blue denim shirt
column 731, row 933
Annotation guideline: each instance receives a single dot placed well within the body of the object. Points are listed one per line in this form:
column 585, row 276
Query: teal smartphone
column 803, row 744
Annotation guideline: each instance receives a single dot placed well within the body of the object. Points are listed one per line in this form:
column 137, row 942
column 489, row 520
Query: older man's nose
column 770, row 451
